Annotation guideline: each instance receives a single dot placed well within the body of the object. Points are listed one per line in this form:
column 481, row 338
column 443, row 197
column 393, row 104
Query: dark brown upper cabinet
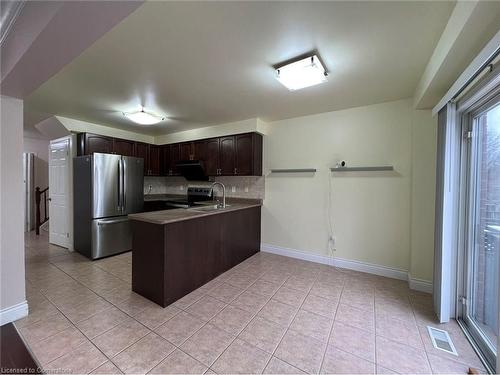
column 187, row 151
column 233, row 155
column 170, row 156
column 123, row 147
column 175, row 157
column 211, row 157
column 248, row 154
column 89, row 143
column 154, row 160
column 199, row 150
column 227, row 156
column 142, row 151
column 165, row 160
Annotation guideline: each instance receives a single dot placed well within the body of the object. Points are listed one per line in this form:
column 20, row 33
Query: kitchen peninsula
column 176, row 251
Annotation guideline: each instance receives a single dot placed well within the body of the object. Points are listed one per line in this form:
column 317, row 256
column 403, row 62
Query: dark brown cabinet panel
column 89, row 143
column 243, row 154
column 142, row 151
column 187, row 151
column 165, row 160
column 239, row 154
column 154, row 160
column 226, row 156
column 211, row 157
column 199, row 150
column 123, row 147
column 248, row 154
column 175, row 157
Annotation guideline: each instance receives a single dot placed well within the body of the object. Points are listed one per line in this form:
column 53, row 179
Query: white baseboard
column 375, row 269
column 419, row 284
column 355, row 265
column 13, row 313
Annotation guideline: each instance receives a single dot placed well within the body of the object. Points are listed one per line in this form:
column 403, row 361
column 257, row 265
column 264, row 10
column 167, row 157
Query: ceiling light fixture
column 301, row 73
column 144, row 118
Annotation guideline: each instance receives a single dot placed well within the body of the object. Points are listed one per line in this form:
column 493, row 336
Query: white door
column 59, row 166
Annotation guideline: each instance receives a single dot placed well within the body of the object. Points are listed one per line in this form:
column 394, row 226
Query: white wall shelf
column 363, row 169
column 294, row 170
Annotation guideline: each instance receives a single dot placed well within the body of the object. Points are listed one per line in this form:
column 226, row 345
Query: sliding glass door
column 480, row 299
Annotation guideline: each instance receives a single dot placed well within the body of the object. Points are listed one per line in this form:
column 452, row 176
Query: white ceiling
column 210, row 63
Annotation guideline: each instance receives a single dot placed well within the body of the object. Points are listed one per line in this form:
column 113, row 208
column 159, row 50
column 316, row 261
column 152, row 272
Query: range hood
column 192, row 170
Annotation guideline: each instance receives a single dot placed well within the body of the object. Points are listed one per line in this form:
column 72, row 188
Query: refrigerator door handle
column 120, row 186
column 101, row 222
column 124, row 185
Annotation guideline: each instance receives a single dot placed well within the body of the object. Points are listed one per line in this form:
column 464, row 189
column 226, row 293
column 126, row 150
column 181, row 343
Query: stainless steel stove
column 195, row 195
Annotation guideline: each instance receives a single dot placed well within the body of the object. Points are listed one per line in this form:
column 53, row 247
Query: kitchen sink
column 205, row 208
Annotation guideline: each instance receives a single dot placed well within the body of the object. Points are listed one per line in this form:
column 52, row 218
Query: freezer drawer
column 111, row 236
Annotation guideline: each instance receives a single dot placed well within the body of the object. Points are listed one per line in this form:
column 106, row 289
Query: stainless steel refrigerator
column 106, row 189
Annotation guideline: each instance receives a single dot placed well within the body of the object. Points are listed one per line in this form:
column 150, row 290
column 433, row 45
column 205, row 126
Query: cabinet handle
column 235, row 170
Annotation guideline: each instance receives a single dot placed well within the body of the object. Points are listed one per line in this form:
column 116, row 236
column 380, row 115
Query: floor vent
column 442, row 340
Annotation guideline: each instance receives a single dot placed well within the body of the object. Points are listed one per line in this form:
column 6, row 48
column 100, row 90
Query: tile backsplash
column 252, row 187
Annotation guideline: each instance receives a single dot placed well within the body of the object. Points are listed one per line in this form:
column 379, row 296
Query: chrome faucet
column 223, row 205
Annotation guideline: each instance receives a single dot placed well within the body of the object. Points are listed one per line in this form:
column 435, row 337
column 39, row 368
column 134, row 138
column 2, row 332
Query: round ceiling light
column 144, row 118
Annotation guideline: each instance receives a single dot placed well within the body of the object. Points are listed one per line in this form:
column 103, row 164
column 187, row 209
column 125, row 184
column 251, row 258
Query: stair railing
column 41, row 196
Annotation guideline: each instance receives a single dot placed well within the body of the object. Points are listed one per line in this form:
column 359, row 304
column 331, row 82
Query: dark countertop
column 180, row 214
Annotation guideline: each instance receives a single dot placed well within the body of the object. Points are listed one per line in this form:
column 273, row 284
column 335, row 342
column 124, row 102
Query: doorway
column 478, row 307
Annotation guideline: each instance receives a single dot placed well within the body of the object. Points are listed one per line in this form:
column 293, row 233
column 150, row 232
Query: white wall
column 423, row 194
column 12, row 286
column 79, row 126
column 371, row 212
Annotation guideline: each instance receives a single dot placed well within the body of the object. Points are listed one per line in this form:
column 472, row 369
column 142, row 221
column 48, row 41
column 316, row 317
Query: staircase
column 41, row 197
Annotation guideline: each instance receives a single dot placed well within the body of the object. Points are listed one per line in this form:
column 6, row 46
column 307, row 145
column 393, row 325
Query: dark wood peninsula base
column 171, row 260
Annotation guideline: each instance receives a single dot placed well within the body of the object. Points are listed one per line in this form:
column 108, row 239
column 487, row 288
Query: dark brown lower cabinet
column 170, row 261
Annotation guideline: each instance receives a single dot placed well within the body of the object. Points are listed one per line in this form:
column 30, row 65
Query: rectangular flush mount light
column 302, row 73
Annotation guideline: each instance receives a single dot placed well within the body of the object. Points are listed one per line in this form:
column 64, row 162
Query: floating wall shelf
column 296, row 170
column 363, row 169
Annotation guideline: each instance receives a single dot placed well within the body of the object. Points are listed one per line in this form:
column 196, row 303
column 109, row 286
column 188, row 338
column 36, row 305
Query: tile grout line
column 288, row 327
column 91, row 340
column 74, row 325
column 207, row 322
column 331, row 328
column 210, row 320
column 268, row 299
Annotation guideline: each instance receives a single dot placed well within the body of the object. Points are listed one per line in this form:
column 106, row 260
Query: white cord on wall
column 331, row 238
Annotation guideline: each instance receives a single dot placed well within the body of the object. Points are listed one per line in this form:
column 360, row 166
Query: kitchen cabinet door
column 154, row 160
column 91, row 143
column 165, row 160
column 123, row 147
column 142, row 151
column 211, row 157
column 244, row 154
column 227, row 156
column 175, row 157
column 199, row 150
column 187, row 151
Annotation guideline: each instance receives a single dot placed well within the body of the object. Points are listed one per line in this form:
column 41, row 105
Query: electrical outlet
column 233, row 189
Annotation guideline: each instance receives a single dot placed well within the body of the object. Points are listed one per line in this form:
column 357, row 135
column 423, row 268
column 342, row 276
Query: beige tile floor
column 270, row 315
